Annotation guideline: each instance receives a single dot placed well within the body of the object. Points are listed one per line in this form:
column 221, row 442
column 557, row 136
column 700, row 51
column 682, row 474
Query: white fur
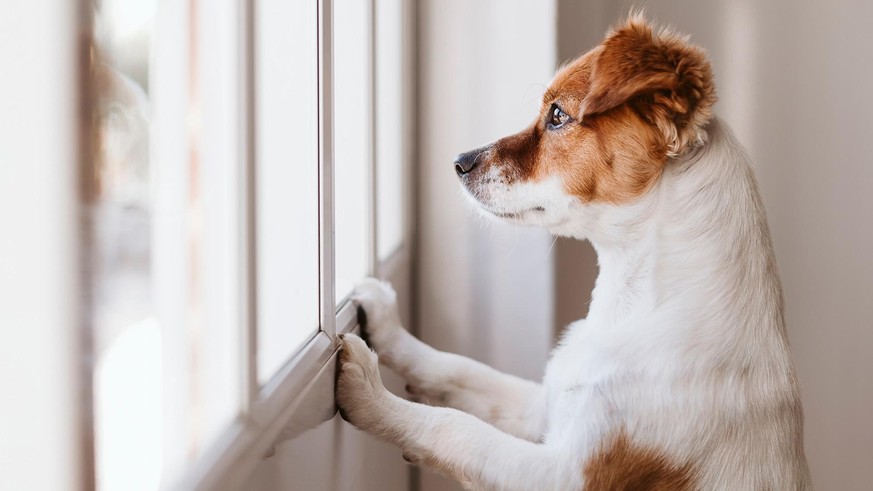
column 684, row 347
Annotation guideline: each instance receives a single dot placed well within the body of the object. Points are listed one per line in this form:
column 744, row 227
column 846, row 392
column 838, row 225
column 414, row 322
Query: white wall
column 42, row 444
column 794, row 80
column 483, row 290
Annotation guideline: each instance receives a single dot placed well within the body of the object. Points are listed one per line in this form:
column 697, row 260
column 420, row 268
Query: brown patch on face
column 622, row 466
column 611, row 157
column 634, row 101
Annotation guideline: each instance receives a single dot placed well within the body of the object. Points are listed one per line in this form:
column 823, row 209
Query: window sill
column 298, row 398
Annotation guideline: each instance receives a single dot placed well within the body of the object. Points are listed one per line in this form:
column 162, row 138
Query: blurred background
column 190, row 189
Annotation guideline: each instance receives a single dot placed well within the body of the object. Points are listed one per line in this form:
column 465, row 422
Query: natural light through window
column 247, row 170
column 389, row 126
column 128, row 389
column 163, row 234
column 286, row 180
column 352, row 137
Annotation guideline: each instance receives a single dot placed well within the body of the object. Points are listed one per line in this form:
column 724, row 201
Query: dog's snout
column 466, row 162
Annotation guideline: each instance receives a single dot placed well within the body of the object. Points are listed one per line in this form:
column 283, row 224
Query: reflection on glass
column 286, row 180
column 127, row 338
column 163, row 237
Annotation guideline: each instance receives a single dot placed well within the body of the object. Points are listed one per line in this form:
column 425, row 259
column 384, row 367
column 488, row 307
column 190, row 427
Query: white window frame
column 43, row 347
column 308, row 375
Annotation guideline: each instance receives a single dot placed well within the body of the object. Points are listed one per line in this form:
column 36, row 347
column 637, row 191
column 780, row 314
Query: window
column 248, row 169
column 391, row 93
column 164, row 208
column 353, row 131
column 286, row 179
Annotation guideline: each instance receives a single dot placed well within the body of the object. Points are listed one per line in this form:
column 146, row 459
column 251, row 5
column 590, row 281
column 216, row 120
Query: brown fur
column 623, row 466
column 636, row 100
column 670, row 79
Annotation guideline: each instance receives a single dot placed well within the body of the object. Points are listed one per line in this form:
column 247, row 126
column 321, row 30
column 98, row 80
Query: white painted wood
column 40, row 322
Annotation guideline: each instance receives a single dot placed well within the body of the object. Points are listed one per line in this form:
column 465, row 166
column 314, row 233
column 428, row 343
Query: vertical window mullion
column 248, row 248
column 327, row 301
column 409, row 137
column 373, row 259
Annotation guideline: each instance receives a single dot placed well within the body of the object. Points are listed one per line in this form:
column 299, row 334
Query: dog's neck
column 627, row 255
column 697, row 242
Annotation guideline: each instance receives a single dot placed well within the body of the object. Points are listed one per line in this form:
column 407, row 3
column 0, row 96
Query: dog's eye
column 557, row 117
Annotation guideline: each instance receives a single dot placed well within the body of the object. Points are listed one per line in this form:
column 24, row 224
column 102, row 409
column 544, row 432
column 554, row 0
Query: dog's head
column 608, row 124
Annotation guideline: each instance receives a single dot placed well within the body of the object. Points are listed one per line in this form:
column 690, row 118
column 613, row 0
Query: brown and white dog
column 680, row 378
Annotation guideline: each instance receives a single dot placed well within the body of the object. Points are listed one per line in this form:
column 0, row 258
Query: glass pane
column 127, row 335
column 352, row 135
column 216, row 163
column 286, row 179
column 164, row 235
column 389, row 126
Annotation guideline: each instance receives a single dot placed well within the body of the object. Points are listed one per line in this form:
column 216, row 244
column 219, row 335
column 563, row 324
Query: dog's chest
column 581, row 382
column 582, row 371
column 600, row 370
column 577, row 369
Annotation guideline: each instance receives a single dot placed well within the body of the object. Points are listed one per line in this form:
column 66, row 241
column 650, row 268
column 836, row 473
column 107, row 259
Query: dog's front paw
column 360, row 395
column 379, row 302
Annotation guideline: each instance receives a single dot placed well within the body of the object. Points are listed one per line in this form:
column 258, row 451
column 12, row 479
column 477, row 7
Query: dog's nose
column 466, row 162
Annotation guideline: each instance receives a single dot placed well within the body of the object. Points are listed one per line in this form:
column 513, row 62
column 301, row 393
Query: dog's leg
column 455, row 443
column 514, row 405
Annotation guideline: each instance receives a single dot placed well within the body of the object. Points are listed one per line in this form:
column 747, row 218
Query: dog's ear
column 668, row 80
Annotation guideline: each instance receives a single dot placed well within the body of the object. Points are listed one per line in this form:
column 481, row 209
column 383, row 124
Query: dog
column 680, row 377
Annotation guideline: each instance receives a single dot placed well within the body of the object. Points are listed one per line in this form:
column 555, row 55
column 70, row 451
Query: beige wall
column 794, row 81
